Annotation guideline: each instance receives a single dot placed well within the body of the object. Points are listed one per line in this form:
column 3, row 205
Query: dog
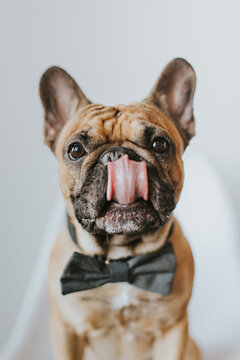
column 121, row 174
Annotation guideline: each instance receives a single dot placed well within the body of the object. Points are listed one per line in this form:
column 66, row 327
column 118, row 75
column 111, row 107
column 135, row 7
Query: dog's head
column 143, row 142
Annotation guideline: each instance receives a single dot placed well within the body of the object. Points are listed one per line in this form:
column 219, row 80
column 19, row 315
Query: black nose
column 116, row 153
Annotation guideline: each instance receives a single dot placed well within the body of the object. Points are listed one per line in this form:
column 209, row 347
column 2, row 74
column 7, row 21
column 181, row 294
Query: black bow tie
column 152, row 272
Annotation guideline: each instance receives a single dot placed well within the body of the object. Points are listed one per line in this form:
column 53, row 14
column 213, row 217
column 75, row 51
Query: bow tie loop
column 118, row 271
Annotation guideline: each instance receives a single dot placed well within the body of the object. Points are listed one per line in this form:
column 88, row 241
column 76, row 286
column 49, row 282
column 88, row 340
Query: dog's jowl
column 121, row 271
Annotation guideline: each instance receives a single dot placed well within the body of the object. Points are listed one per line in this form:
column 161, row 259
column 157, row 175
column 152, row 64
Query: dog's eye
column 160, row 145
column 75, row 151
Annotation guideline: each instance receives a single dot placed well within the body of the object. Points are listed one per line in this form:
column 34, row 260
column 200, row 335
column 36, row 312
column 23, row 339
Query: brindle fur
column 119, row 321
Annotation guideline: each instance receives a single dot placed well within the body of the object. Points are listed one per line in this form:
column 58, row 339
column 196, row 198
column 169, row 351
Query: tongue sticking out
column 127, row 180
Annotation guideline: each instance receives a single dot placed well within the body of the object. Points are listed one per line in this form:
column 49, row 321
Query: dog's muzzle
column 123, row 194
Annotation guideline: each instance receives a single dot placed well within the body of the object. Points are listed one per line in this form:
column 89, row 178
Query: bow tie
column 152, row 272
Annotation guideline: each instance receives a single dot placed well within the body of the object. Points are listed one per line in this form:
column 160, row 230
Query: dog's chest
column 118, row 317
column 115, row 306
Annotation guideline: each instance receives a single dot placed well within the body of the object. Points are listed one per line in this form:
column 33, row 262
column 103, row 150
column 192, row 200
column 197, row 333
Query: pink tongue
column 127, row 180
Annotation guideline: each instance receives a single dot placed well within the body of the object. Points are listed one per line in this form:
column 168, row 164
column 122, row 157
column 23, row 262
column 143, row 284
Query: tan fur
column 120, row 321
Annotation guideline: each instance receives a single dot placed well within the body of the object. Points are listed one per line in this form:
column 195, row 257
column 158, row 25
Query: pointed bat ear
column 173, row 94
column 61, row 98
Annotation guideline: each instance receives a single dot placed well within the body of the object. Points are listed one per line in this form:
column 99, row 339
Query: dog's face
column 86, row 137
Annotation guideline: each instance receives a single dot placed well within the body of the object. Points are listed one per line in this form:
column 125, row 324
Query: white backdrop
column 115, row 50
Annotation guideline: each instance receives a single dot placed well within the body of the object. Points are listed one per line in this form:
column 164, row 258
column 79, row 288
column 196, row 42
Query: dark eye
column 75, row 151
column 160, row 145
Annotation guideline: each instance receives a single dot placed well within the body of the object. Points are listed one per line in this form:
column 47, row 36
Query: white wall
column 115, row 50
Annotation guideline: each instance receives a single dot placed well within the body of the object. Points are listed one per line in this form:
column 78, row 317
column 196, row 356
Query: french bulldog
column 126, row 268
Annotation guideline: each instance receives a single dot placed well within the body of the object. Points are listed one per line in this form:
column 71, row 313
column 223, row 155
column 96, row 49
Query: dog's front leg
column 171, row 345
column 67, row 344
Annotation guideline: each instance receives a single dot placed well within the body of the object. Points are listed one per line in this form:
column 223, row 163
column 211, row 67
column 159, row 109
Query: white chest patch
column 123, row 297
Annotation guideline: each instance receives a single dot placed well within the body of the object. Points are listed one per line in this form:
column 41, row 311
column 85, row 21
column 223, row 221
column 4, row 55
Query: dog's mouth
column 134, row 218
column 127, row 195
column 125, row 207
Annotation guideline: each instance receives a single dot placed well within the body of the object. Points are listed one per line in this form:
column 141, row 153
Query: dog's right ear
column 173, row 94
column 61, row 97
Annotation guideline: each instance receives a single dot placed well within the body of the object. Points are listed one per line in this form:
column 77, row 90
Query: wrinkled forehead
column 134, row 122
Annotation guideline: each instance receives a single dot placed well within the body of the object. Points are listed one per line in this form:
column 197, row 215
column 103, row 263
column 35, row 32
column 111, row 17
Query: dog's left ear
column 173, row 94
column 61, row 97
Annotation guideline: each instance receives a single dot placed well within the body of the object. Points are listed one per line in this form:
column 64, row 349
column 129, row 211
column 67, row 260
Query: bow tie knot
column 118, row 271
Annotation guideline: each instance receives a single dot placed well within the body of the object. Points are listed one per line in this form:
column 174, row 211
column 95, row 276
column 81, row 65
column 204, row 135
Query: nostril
column 119, row 156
